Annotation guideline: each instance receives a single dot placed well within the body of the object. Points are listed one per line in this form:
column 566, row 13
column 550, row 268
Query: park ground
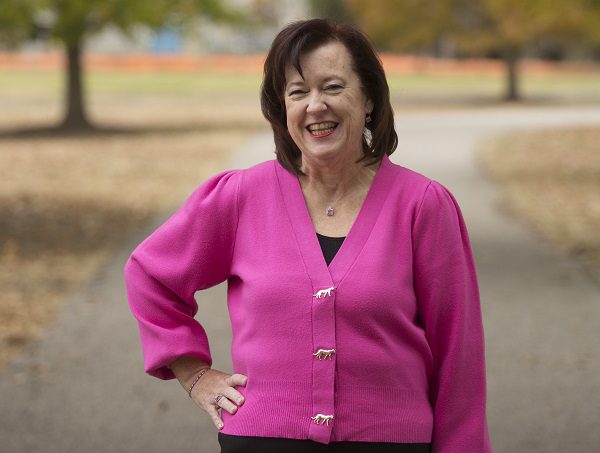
column 69, row 202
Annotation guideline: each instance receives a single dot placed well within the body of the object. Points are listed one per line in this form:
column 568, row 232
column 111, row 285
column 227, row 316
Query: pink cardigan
column 384, row 345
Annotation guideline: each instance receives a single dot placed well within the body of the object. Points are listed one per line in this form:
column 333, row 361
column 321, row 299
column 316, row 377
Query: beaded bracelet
column 196, row 380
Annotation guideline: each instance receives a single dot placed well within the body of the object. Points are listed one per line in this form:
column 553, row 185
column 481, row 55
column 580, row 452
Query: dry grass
column 67, row 202
column 551, row 178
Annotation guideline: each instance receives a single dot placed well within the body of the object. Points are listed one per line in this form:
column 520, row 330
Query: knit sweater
column 384, row 345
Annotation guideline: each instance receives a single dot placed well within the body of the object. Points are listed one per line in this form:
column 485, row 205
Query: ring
column 217, row 398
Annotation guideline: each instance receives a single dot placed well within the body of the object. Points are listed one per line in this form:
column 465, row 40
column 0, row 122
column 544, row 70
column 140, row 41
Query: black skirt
column 248, row 444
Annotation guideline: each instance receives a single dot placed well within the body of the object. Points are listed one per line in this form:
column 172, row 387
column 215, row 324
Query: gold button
column 324, row 353
column 324, row 292
column 319, row 419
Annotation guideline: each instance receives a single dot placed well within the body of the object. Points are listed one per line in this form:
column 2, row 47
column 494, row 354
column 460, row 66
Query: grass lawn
column 561, row 88
column 19, row 87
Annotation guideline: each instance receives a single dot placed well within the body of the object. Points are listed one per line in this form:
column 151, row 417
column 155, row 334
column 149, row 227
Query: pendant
column 329, row 211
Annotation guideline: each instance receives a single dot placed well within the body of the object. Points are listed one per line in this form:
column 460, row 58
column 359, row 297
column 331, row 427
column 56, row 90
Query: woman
column 352, row 289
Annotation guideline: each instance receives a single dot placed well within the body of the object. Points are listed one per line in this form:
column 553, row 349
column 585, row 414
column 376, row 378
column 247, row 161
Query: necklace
column 330, row 211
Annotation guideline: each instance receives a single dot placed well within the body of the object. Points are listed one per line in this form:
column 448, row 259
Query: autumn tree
column 70, row 22
column 505, row 27
column 332, row 9
column 402, row 25
column 511, row 27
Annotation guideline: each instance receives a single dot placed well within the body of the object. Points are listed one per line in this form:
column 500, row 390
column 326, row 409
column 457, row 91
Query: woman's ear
column 369, row 106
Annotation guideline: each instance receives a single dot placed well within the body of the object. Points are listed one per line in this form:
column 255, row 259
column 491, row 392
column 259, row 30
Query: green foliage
column 69, row 21
column 592, row 23
column 15, row 22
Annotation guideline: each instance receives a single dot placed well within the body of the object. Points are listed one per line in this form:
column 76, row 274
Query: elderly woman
column 352, row 289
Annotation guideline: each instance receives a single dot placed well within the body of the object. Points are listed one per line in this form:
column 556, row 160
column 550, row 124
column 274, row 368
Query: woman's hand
column 211, row 384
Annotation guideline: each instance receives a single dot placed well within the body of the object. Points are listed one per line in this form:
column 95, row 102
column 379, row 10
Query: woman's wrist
column 186, row 369
column 196, row 379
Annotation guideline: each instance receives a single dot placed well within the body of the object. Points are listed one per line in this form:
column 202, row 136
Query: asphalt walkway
column 82, row 388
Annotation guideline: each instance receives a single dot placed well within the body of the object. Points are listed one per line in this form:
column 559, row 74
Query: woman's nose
column 316, row 104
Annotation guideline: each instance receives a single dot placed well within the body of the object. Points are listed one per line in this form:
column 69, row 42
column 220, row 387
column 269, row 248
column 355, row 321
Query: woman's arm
column 191, row 251
column 447, row 291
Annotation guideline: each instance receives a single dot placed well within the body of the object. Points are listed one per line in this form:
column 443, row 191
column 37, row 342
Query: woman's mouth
column 319, row 130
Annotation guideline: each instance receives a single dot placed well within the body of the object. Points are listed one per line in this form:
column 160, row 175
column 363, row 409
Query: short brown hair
column 288, row 46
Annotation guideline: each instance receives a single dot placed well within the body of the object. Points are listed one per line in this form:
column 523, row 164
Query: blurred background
column 112, row 112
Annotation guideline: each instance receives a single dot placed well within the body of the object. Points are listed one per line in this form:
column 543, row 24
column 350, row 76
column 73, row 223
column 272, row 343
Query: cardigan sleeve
column 446, row 287
column 191, row 251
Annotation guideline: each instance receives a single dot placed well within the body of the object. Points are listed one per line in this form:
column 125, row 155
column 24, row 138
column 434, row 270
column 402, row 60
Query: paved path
column 82, row 387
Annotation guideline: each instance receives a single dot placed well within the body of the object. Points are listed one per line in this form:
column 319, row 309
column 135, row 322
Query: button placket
column 323, row 336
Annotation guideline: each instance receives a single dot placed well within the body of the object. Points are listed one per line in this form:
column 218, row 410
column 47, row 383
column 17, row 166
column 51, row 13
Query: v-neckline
column 320, row 274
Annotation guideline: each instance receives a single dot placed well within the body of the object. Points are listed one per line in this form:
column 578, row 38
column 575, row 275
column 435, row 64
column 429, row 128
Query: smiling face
column 326, row 109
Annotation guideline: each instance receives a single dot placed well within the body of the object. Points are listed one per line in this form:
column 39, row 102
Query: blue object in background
column 166, row 40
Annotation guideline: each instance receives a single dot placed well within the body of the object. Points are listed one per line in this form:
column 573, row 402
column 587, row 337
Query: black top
column 329, row 246
column 248, row 444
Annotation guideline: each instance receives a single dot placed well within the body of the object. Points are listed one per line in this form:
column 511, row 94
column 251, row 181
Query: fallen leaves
column 551, row 178
column 67, row 203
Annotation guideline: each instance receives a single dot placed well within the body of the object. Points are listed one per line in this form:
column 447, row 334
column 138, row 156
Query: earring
column 368, row 118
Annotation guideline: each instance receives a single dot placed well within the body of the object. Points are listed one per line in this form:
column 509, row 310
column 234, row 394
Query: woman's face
column 326, row 109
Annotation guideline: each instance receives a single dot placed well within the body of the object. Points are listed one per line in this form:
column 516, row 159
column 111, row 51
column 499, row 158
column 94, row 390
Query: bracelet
column 196, row 380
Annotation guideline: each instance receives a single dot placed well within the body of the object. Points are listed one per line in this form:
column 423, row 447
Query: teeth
column 322, row 128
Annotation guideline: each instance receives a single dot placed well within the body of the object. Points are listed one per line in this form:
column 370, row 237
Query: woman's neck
column 334, row 179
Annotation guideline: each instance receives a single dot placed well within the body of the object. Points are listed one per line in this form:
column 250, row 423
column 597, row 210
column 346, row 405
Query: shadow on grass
column 43, row 132
column 35, row 225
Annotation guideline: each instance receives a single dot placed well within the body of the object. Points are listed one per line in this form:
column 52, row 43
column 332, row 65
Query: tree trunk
column 511, row 59
column 76, row 117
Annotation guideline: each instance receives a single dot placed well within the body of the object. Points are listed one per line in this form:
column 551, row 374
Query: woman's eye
column 296, row 93
column 333, row 87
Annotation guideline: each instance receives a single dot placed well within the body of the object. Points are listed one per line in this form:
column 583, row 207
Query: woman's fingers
column 237, row 379
column 234, row 396
column 215, row 383
column 227, row 405
column 215, row 417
